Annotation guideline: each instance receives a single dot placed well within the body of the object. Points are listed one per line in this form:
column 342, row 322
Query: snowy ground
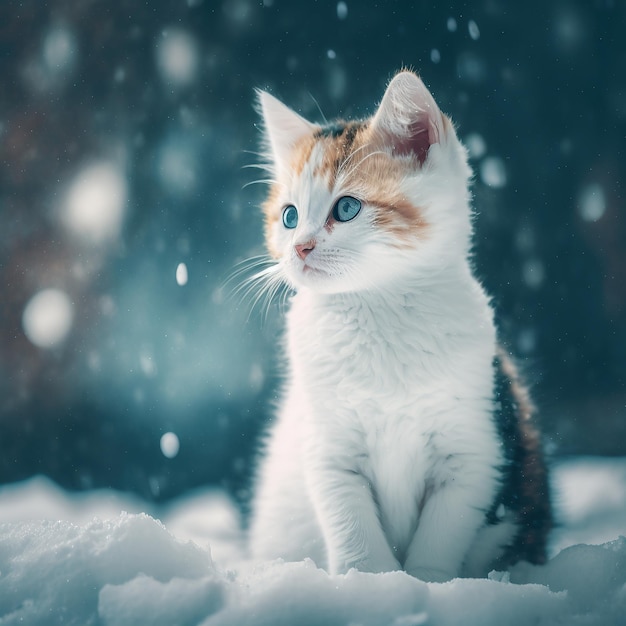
column 77, row 559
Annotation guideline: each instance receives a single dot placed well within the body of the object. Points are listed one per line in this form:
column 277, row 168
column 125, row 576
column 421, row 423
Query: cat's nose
column 303, row 249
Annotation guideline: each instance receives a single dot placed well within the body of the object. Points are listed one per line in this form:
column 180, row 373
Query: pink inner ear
column 417, row 141
column 408, row 119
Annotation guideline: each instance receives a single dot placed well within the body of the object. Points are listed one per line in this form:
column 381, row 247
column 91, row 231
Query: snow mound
column 131, row 570
column 53, row 572
column 593, row 577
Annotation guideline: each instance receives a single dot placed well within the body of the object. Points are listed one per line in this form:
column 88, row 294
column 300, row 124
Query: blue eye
column 290, row 216
column 346, row 209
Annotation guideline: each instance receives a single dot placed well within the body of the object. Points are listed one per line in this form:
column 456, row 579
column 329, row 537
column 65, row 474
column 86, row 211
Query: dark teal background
column 542, row 83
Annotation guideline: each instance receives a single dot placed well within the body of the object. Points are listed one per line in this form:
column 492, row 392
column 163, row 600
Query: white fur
column 383, row 454
column 286, row 127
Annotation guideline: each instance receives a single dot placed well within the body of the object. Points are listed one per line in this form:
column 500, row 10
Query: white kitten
column 403, row 439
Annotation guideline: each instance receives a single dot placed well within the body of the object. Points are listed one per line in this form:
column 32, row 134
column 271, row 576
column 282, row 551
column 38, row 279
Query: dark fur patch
column 525, row 489
column 332, row 129
column 338, row 140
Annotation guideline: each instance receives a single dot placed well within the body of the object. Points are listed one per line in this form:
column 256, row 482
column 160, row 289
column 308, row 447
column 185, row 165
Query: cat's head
column 358, row 205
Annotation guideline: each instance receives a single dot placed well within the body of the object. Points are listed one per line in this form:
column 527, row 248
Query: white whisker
column 264, row 181
column 260, row 166
column 359, row 163
column 260, row 280
column 319, row 108
column 255, row 153
column 350, row 157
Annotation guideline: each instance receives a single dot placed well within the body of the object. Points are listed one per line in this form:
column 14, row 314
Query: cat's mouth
column 320, row 269
column 320, row 275
column 312, row 271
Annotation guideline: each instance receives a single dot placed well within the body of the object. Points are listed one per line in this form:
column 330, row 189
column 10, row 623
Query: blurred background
column 124, row 129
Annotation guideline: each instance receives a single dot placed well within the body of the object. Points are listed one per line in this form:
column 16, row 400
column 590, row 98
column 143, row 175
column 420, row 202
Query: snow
column 473, row 30
column 95, row 202
column 476, row 145
column 182, row 274
column 170, row 445
column 592, row 202
column 78, row 559
column 342, row 10
column 177, row 57
column 47, row 318
column 59, row 49
column 493, row 172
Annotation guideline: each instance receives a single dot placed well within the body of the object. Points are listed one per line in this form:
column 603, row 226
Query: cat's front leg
column 350, row 522
column 448, row 524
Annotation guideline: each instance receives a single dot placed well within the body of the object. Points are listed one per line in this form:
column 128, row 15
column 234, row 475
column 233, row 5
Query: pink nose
column 303, row 249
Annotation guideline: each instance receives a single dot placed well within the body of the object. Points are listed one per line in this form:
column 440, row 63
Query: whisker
column 260, row 166
column 260, row 280
column 319, row 108
column 353, row 168
column 255, row 153
column 243, row 269
column 351, row 156
column 264, row 181
column 248, row 265
column 271, row 295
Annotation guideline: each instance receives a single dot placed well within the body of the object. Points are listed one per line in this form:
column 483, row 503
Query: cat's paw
column 378, row 565
column 430, row 575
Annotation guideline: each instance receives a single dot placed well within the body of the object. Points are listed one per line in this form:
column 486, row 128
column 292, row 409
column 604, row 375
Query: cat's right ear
column 283, row 127
column 408, row 119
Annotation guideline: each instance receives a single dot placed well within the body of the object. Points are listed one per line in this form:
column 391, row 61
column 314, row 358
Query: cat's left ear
column 283, row 127
column 408, row 119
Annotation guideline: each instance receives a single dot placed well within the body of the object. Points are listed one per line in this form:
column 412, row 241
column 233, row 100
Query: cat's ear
column 283, row 127
column 408, row 119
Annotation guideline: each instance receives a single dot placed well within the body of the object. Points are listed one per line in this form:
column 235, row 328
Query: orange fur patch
column 271, row 210
column 338, row 146
column 378, row 176
column 302, row 153
column 351, row 153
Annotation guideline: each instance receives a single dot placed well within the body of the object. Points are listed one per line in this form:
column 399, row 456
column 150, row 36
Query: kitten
column 404, row 438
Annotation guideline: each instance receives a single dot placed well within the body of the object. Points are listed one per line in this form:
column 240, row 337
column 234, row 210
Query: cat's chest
column 388, row 360
column 375, row 384
column 369, row 350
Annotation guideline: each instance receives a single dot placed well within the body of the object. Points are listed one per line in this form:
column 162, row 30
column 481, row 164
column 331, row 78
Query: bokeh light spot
column 493, row 172
column 592, row 203
column 475, row 145
column 177, row 57
column 95, row 203
column 59, row 49
column 182, row 275
column 170, row 445
column 473, row 30
column 47, row 318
